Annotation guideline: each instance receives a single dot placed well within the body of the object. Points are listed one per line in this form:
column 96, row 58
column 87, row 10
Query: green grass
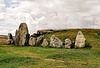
column 44, row 57
column 48, row 57
column 9, row 59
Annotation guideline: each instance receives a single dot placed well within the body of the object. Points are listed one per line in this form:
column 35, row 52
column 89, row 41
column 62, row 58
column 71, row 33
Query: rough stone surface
column 17, row 38
column 39, row 40
column 10, row 39
column 32, row 41
column 10, row 36
column 42, row 32
column 68, row 43
column 55, row 42
column 80, row 40
column 22, row 35
column 45, row 43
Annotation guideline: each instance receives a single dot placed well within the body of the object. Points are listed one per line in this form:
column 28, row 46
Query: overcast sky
column 48, row 14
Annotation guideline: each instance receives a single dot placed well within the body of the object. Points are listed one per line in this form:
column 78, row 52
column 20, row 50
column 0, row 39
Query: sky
column 48, row 14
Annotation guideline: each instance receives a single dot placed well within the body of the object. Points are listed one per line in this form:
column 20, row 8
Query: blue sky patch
column 8, row 3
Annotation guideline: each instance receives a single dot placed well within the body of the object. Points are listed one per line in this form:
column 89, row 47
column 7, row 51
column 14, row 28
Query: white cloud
column 52, row 14
column 1, row 5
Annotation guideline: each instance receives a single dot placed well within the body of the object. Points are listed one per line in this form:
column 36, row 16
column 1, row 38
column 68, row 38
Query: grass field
column 46, row 57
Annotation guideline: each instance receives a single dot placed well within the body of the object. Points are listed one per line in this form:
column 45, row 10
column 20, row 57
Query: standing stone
column 80, row 40
column 32, row 41
column 68, row 43
column 10, row 36
column 22, row 35
column 45, row 43
column 10, row 39
column 55, row 42
column 17, row 38
column 39, row 40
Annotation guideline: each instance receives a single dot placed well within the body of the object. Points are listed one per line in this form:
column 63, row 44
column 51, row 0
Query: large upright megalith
column 80, row 40
column 22, row 35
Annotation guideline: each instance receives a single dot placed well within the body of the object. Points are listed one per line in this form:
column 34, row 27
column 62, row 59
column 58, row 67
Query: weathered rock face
column 80, row 40
column 10, row 39
column 55, row 42
column 22, row 35
column 17, row 38
column 42, row 32
column 68, row 43
column 10, row 36
column 45, row 43
column 39, row 40
column 32, row 41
